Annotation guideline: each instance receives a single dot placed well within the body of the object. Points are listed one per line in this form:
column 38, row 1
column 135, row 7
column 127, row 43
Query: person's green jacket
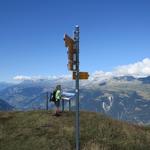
column 58, row 95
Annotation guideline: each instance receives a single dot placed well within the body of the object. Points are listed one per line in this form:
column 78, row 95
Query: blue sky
column 112, row 33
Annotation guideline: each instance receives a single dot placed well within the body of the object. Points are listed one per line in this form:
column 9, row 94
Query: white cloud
column 138, row 69
column 101, row 75
column 21, row 78
column 35, row 78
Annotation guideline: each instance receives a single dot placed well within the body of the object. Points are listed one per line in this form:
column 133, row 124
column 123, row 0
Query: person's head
column 58, row 87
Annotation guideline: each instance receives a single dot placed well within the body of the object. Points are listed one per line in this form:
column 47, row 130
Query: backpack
column 53, row 96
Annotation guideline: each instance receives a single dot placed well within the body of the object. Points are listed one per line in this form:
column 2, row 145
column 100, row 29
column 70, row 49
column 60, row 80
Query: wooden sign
column 82, row 75
column 69, row 42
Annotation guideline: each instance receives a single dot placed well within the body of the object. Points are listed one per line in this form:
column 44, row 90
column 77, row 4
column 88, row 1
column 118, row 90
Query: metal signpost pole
column 73, row 65
column 76, row 39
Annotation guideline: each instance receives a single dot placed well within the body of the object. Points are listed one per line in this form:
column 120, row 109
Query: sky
column 113, row 34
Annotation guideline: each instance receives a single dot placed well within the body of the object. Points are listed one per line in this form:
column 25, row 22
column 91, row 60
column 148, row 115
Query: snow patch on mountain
column 107, row 104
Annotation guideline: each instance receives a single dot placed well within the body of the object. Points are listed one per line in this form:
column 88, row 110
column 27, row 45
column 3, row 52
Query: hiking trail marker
column 73, row 65
column 82, row 75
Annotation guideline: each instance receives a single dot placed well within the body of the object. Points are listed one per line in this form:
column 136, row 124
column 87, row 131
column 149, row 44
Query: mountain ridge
column 4, row 106
column 126, row 97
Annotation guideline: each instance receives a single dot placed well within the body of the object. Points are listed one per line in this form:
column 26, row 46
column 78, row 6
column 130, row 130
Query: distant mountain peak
column 145, row 80
column 126, row 78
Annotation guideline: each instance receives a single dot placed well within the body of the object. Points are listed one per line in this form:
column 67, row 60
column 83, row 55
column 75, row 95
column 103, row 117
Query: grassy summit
column 39, row 130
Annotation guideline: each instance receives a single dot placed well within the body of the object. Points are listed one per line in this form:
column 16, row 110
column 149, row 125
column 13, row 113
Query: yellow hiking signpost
column 82, row 75
column 73, row 65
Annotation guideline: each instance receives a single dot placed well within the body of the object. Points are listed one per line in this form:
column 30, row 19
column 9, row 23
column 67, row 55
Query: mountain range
column 4, row 85
column 124, row 97
column 4, row 106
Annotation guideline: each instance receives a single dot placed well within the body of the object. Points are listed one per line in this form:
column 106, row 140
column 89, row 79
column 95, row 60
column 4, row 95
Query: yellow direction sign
column 69, row 42
column 82, row 75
